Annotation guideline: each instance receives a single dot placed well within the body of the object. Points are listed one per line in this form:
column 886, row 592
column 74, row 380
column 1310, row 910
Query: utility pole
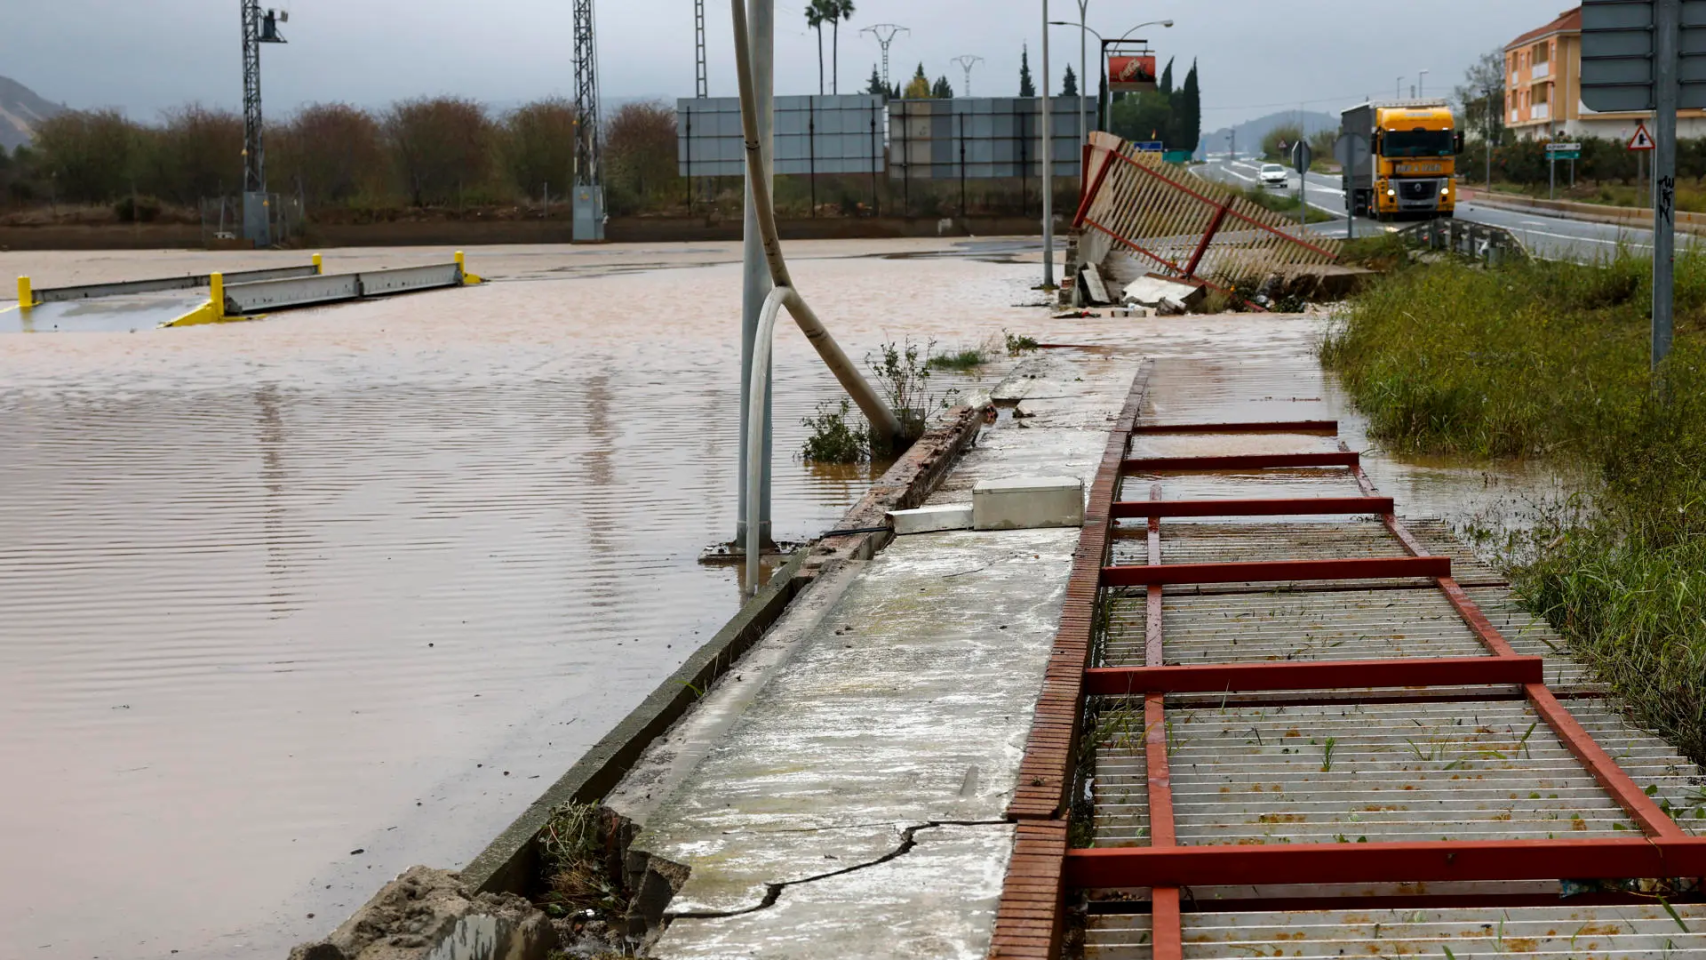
column 966, row 62
column 1422, row 83
column 701, row 88
column 755, row 267
column 258, row 28
column 588, row 200
column 1398, row 89
column 885, row 34
column 1490, row 129
column 1047, row 156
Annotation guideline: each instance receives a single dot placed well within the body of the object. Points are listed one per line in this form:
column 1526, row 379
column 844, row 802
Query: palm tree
column 838, row 10
column 815, row 16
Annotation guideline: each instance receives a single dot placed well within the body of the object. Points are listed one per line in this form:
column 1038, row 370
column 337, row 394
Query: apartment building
column 1543, row 100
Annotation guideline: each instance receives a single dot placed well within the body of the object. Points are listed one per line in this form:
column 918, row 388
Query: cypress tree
column 1026, row 87
column 1069, row 85
column 1189, row 112
column 876, row 84
column 1166, row 84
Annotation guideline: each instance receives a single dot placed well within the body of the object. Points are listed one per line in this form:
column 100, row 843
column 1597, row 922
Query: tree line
column 1172, row 115
column 430, row 151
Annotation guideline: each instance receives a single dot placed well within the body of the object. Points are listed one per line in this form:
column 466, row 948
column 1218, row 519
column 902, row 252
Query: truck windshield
column 1416, row 143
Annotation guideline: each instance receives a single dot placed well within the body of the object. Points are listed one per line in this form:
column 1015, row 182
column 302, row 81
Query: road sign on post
column 1554, row 153
column 1351, row 150
column 1301, row 158
column 1642, row 140
column 1633, row 59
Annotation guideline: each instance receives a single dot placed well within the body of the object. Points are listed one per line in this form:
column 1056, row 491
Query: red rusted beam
column 1207, row 238
column 1270, row 507
column 1372, row 568
column 1300, row 863
column 1246, row 461
column 1653, row 821
column 1312, row 675
column 1269, row 426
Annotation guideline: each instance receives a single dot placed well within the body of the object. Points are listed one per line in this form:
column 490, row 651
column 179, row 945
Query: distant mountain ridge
column 20, row 110
column 1251, row 132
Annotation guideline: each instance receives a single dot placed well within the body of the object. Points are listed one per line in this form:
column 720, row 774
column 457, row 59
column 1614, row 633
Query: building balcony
column 1540, row 111
column 1541, row 70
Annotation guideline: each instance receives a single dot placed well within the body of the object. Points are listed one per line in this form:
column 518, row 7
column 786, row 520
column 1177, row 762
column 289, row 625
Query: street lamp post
column 1422, row 83
column 1048, row 168
column 1083, row 30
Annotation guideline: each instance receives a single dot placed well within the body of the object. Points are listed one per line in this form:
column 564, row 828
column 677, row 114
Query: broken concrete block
column 1169, row 308
column 947, row 516
column 1130, row 312
column 1024, row 502
column 427, row 913
column 1095, row 290
column 1150, row 290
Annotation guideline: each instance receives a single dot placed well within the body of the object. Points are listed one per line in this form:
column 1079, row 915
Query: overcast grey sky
column 1256, row 56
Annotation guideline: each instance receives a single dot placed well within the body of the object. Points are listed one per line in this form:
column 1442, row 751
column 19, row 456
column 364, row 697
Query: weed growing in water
column 1018, row 343
column 962, row 360
column 837, row 436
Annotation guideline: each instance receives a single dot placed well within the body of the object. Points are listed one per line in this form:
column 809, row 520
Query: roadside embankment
column 1550, row 360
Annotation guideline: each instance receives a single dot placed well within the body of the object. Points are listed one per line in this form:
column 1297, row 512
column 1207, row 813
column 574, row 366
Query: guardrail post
column 320, row 268
column 25, row 298
column 216, row 294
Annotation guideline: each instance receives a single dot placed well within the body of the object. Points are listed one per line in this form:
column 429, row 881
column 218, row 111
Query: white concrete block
column 1023, row 502
column 947, row 516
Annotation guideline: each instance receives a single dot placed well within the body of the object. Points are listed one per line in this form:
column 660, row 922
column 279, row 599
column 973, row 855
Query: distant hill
column 20, row 110
column 1251, row 132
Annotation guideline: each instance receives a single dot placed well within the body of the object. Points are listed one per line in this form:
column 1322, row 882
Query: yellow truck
column 1407, row 166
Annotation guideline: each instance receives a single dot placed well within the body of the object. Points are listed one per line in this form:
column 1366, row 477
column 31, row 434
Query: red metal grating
column 1030, row 920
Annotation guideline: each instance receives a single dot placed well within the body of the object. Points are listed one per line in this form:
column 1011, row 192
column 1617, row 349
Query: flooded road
column 288, row 606
column 367, row 578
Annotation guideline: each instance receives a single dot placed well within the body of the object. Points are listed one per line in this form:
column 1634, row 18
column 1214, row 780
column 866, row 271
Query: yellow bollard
column 318, row 267
column 216, row 294
column 461, row 264
column 25, row 297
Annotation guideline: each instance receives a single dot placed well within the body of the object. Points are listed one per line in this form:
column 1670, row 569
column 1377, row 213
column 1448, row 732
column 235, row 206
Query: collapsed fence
column 1183, row 227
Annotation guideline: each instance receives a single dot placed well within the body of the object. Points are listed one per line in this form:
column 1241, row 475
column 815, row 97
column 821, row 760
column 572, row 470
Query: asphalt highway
column 1545, row 236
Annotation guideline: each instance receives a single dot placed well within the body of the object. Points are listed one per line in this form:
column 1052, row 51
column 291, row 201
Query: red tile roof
column 1570, row 21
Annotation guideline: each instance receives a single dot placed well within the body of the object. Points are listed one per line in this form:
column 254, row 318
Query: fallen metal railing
column 1481, row 241
column 1185, row 227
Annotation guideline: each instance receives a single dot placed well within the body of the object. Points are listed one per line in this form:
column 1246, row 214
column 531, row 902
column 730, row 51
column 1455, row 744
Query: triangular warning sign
column 1641, row 140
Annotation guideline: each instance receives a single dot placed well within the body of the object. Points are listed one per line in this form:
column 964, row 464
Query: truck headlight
column 1391, row 192
column 1445, row 191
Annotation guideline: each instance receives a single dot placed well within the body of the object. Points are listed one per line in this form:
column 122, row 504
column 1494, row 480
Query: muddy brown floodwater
column 287, row 606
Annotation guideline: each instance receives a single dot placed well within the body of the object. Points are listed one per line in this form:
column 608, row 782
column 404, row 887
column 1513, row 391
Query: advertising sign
column 1131, row 72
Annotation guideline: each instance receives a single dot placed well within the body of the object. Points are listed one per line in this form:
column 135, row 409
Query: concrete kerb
column 510, row 864
column 1638, row 218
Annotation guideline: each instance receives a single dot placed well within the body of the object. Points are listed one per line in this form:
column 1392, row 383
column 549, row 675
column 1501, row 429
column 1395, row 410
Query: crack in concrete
column 773, row 891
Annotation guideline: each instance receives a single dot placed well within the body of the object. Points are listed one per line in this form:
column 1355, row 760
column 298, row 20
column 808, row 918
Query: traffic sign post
column 1301, row 158
column 1554, row 153
column 1351, row 150
column 1632, row 59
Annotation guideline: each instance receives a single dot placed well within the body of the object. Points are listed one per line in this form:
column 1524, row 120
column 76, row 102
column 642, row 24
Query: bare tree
column 639, row 152
column 539, row 145
column 1483, row 87
column 91, row 155
column 441, row 146
column 196, row 153
column 333, row 151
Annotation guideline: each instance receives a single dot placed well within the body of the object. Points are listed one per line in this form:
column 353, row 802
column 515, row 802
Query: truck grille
column 1417, row 189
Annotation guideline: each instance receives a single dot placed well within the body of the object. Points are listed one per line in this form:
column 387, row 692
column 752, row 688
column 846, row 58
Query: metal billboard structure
column 980, row 138
column 830, row 134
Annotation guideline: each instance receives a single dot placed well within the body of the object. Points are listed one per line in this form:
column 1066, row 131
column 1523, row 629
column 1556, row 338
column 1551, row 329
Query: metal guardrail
column 242, row 299
column 1489, row 244
column 92, row 291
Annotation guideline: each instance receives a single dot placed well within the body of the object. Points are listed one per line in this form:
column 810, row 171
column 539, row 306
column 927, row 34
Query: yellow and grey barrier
column 25, row 297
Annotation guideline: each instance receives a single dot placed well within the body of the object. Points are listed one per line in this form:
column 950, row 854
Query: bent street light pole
column 1083, row 78
column 1048, row 169
column 755, row 272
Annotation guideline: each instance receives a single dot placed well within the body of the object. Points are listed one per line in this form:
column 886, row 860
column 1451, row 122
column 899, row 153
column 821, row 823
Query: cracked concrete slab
column 935, row 901
column 899, row 698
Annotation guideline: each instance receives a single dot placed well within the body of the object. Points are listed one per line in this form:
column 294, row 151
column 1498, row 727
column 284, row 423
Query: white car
column 1274, row 175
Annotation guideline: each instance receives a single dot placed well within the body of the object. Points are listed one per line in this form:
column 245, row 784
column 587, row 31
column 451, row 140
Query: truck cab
column 1411, row 166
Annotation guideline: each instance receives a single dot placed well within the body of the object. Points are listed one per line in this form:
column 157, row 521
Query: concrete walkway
column 842, row 793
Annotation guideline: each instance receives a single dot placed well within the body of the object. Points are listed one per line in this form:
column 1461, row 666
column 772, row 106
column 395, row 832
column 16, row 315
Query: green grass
column 1549, row 360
